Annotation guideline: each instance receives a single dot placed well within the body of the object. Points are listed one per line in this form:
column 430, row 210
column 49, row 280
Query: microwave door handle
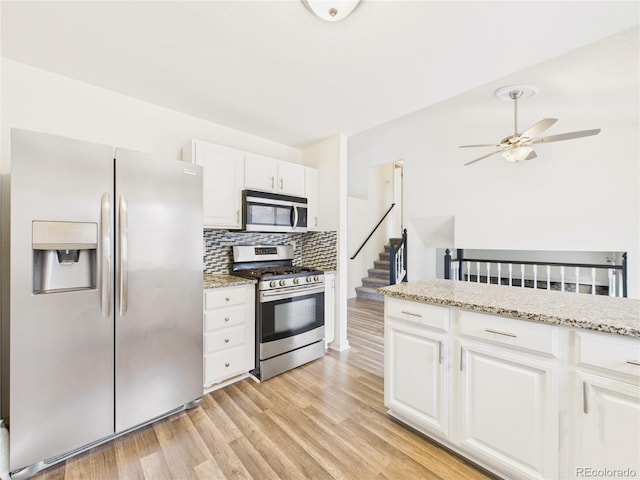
column 295, row 217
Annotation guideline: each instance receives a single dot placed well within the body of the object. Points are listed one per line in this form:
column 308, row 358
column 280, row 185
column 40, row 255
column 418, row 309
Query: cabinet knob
column 281, row 184
column 227, row 364
column 226, row 299
column 226, row 340
column 226, row 319
column 272, row 184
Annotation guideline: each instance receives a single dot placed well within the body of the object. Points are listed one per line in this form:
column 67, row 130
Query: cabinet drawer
column 608, row 351
column 509, row 331
column 224, row 364
column 224, row 338
column 224, row 317
column 222, row 297
column 416, row 312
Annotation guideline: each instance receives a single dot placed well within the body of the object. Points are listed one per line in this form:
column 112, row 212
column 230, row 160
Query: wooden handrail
column 373, row 231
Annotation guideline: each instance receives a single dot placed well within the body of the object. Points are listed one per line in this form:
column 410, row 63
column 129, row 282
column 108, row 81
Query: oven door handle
column 272, row 296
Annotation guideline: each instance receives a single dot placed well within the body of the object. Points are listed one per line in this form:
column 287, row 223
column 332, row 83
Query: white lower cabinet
column 606, row 407
column 329, row 307
column 417, row 389
column 508, row 410
column 229, row 334
column 526, row 400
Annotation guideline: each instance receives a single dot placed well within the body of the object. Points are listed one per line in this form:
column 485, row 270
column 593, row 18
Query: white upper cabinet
column 270, row 175
column 311, row 192
column 223, row 177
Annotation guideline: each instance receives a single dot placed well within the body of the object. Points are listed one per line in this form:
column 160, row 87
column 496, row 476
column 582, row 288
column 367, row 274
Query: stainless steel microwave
column 272, row 212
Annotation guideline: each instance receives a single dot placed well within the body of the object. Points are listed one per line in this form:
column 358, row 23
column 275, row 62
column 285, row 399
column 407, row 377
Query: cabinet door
column 260, row 172
column 608, row 433
column 329, row 307
column 509, row 410
column 414, row 377
column 223, row 170
column 291, row 179
column 311, row 192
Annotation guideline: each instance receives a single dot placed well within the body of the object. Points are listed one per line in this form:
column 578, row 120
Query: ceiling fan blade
column 531, row 156
column 480, row 145
column 537, row 128
column 566, row 136
column 482, row 158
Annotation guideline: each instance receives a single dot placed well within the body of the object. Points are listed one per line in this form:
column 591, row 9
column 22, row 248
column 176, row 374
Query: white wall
column 330, row 158
column 578, row 195
column 364, row 214
column 34, row 99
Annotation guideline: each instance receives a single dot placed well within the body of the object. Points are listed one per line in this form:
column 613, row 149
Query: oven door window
column 264, row 214
column 291, row 316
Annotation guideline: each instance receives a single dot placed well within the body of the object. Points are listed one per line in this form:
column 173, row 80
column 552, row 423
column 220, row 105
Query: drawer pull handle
column 226, row 319
column 412, row 314
column 633, row 362
column 227, row 364
column 585, row 398
column 506, row 334
column 227, row 299
column 226, row 340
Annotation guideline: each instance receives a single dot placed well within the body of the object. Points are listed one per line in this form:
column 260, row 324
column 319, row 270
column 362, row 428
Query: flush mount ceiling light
column 517, row 147
column 331, row 10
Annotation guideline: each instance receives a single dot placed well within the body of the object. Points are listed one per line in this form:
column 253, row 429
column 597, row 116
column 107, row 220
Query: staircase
column 378, row 277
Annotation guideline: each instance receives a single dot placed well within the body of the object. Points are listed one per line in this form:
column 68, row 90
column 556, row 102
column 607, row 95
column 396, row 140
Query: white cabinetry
column 329, row 306
column 508, row 412
column 229, row 334
column 270, row 175
column 416, row 385
column 311, row 192
column 606, row 405
column 223, row 176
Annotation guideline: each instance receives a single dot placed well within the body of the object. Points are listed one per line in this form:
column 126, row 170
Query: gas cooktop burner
column 275, row 271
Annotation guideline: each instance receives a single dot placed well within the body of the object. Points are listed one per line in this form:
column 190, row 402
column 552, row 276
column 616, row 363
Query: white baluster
column 593, row 281
column 562, row 278
column 510, row 274
column 548, row 277
column 577, row 279
column 610, row 275
column 522, row 275
column 613, row 279
column 468, row 271
column 499, row 270
column 488, row 272
column 477, row 272
column 535, row 276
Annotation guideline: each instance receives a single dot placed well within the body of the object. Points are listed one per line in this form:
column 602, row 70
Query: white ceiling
column 272, row 69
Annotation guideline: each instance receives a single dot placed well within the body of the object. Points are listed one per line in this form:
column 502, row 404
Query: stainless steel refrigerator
column 103, row 329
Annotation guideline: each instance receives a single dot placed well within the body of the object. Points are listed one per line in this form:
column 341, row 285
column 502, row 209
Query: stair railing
column 538, row 276
column 373, row 231
column 398, row 259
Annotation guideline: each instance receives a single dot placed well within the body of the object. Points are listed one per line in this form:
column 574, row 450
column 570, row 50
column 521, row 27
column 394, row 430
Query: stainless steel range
column 289, row 308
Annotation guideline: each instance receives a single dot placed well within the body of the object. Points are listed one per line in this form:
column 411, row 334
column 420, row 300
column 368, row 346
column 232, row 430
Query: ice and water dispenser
column 64, row 256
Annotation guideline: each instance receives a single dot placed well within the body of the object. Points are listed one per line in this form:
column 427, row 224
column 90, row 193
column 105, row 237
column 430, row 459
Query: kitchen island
column 526, row 383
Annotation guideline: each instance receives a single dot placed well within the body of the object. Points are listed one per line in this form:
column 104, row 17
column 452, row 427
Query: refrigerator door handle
column 124, row 275
column 105, row 228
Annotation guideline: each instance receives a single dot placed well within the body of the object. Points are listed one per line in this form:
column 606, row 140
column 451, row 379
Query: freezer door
column 159, row 263
column 60, row 330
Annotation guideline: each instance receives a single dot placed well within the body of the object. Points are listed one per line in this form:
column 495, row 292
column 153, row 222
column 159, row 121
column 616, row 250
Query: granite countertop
column 221, row 280
column 593, row 312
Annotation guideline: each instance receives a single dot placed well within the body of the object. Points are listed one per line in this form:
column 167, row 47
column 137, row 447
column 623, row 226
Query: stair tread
column 377, row 280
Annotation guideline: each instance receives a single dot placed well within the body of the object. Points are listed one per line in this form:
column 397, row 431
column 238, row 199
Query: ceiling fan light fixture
column 517, row 154
column 331, row 10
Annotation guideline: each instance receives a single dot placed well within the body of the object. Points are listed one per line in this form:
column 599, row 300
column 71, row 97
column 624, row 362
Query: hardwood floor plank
column 154, row 466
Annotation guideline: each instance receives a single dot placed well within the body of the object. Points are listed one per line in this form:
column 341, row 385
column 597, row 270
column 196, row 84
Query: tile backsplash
column 311, row 249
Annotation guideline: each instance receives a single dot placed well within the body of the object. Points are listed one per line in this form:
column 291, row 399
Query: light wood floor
column 323, row 420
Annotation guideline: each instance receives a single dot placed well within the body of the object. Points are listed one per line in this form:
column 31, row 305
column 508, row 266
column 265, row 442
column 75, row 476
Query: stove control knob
column 309, row 279
column 316, row 278
column 282, row 283
column 272, row 283
column 296, row 281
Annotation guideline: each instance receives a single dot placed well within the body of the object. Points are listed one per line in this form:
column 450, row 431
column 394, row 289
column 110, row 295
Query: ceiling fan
column 517, row 147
